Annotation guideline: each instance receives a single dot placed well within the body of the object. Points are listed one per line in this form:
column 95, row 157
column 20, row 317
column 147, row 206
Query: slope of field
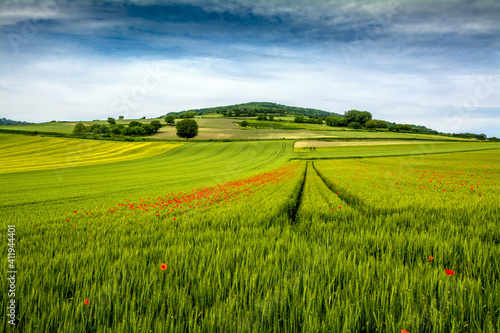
column 387, row 148
column 27, row 153
column 192, row 164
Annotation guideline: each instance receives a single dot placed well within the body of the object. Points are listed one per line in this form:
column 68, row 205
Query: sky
column 431, row 63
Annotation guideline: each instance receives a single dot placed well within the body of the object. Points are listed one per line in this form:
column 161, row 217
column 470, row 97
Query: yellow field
column 27, row 153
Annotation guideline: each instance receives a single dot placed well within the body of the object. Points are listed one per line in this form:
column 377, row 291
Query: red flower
column 431, row 258
column 340, row 207
column 403, row 331
column 163, row 267
column 450, row 272
column 86, row 301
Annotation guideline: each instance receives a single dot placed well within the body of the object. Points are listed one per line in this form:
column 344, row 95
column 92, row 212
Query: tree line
column 133, row 128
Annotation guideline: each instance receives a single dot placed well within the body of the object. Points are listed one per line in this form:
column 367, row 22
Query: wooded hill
column 258, row 108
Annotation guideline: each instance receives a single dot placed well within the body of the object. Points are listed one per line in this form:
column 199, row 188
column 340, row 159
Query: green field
column 255, row 237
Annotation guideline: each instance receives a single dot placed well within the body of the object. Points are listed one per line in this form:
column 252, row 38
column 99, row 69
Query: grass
column 28, row 153
column 388, row 149
column 254, row 242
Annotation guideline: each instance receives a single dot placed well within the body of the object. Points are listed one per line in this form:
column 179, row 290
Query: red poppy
column 340, row 207
column 403, row 331
column 86, row 301
column 450, row 272
column 163, row 267
column 431, row 258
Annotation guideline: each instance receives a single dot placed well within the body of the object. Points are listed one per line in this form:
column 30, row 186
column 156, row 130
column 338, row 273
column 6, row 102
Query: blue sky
column 432, row 63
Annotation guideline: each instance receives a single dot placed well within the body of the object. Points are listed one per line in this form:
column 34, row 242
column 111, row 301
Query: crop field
column 254, row 237
column 27, row 153
column 387, row 148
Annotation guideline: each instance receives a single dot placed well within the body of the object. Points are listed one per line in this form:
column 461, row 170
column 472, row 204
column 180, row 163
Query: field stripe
column 297, row 198
column 25, row 153
column 352, row 200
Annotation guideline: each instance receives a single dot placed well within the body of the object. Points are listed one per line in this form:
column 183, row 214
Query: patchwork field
column 27, row 153
column 252, row 237
column 219, row 128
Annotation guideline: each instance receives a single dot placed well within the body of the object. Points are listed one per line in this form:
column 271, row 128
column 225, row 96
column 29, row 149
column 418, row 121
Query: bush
column 79, row 128
column 355, row 125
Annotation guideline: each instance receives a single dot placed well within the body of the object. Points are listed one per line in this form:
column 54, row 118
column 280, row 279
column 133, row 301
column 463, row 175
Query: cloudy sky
column 433, row 63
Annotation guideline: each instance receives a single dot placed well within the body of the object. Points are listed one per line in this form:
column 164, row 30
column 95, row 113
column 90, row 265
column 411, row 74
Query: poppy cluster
column 175, row 204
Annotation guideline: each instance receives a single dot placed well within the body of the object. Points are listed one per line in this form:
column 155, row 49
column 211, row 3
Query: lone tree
column 187, row 128
column 170, row 120
column 111, row 121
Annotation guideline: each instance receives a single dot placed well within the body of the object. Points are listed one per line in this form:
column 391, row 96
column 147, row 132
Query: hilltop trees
column 354, row 119
column 170, row 120
column 357, row 116
column 335, row 121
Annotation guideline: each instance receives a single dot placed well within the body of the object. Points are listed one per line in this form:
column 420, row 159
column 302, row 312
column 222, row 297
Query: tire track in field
column 297, row 198
column 266, row 161
column 350, row 199
column 279, row 154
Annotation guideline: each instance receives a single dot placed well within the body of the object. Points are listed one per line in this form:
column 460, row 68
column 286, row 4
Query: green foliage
column 187, row 114
column 336, row 121
column 354, row 125
column 263, row 108
column 134, row 123
column 170, row 119
column 121, row 117
column 244, row 123
column 4, row 121
column 80, row 128
column 156, row 124
column 373, row 124
column 400, row 128
column 111, row 121
column 187, row 128
column 357, row 116
column 309, row 120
